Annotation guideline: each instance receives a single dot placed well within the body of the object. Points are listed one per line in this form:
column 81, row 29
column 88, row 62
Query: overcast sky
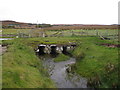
column 60, row 11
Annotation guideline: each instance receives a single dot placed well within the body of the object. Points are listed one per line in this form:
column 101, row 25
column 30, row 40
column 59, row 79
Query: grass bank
column 22, row 68
column 98, row 63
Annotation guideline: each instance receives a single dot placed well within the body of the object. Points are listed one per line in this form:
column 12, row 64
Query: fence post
column 97, row 32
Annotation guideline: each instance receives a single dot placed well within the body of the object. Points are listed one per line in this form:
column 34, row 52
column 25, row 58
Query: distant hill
column 14, row 24
column 6, row 22
column 81, row 26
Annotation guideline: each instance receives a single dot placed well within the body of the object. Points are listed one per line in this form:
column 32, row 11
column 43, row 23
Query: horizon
column 58, row 23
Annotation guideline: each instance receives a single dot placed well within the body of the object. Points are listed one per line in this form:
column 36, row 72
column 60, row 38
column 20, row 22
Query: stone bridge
column 54, row 48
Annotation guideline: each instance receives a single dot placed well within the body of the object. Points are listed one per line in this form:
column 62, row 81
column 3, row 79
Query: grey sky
column 60, row 11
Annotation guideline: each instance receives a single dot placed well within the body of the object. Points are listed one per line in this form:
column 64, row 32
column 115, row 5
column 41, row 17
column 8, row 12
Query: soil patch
column 111, row 45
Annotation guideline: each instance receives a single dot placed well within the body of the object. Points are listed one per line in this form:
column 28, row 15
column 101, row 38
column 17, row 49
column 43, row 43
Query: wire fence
column 108, row 33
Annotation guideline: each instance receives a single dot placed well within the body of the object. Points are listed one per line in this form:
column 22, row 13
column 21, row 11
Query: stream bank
column 21, row 68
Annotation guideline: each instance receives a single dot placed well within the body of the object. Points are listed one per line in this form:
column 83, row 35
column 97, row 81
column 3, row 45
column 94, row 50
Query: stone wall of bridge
column 53, row 48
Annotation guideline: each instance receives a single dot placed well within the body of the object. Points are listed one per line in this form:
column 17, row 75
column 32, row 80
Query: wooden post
column 97, row 34
column 87, row 32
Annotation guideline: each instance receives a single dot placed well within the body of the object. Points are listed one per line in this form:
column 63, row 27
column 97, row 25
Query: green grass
column 34, row 42
column 110, row 33
column 81, row 32
column 23, row 69
column 93, row 61
column 61, row 57
column 14, row 31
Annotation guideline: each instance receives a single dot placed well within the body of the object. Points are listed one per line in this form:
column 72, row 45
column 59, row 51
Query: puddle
column 58, row 73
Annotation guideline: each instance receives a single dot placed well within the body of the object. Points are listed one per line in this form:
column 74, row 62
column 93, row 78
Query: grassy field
column 14, row 31
column 99, row 64
column 110, row 33
column 89, row 32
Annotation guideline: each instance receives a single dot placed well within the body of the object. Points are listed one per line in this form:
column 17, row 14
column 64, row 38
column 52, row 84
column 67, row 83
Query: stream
column 58, row 73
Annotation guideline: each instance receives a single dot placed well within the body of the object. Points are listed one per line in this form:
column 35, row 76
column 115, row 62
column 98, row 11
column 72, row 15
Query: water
column 58, row 73
column 6, row 38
